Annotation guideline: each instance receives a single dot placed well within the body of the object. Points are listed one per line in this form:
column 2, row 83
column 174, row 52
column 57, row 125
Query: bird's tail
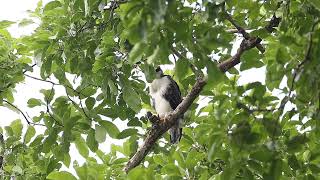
column 176, row 132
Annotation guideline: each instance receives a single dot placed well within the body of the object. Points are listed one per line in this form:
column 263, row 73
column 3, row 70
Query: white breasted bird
column 166, row 96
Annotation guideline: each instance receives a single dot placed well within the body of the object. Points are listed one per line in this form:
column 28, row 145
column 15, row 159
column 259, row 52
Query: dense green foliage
column 243, row 132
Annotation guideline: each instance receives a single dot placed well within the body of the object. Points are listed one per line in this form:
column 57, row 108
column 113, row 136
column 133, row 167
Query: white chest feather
column 157, row 90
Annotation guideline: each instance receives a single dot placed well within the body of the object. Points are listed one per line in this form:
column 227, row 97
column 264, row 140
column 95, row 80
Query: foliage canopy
column 112, row 47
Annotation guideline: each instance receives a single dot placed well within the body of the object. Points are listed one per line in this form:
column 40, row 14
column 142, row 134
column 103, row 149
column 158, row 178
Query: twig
column 23, row 114
column 54, row 83
column 75, row 104
column 48, row 108
column 24, row 71
column 12, row 105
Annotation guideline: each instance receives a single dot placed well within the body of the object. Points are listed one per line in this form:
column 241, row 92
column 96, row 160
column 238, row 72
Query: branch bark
column 160, row 128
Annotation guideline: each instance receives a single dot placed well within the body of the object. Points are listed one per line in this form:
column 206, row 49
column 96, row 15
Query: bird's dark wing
column 173, row 94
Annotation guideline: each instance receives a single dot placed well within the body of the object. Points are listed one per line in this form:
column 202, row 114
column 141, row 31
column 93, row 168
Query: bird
column 166, row 96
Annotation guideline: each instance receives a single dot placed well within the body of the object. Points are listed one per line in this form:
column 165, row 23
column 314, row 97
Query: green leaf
column 136, row 174
column 29, row 134
column 5, row 24
column 51, row 5
column 101, row 134
column 159, row 159
column 181, row 68
column 82, row 147
column 136, row 53
column 16, row 127
column 112, row 129
column 132, row 98
column 251, row 59
column 90, row 101
column 126, row 133
column 171, row 169
column 25, row 22
column 282, row 56
column 91, row 141
column 215, row 76
column 61, row 175
column 263, row 154
column 156, row 53
column 48, row 94
column 50, row 140
column 34, row 102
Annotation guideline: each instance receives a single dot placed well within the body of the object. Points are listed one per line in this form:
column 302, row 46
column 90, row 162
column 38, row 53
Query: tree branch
column 158, row 129
column 243, row 31
column 234, row 60
column 156, row 132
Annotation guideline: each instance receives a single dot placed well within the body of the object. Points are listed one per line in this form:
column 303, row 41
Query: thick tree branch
column 161, row 126
column 156, row 132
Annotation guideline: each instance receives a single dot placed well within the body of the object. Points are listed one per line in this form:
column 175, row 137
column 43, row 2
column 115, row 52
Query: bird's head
column 159, row 72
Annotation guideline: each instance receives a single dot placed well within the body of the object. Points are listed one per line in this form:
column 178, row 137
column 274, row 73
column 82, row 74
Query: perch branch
column 160, row 128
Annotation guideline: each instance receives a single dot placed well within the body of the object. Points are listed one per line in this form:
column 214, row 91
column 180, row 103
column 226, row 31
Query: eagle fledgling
column 166, row 96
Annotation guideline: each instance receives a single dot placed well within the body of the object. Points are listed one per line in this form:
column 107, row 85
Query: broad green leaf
column 181, row 68
column 34, row 102
column 126, row 133
column 61, row 175
column 29, row 134
column 5, row 24
column 112, row 129
column 90, row 101
column 16, row 127
column 25, row 22
column 136, row 53
column 51, row 5
column 91, row 141
column 171, row 169
column 82, row 147
column 101, row 134
column 151, row 59
column 215, row 76
column 136, row 174
column 132, row 98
